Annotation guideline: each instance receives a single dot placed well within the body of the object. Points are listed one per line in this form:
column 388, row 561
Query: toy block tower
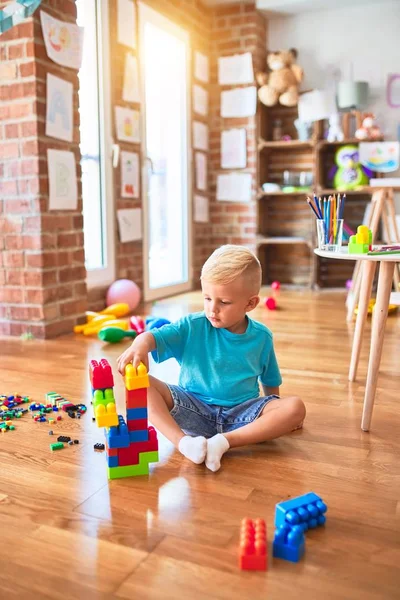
column 130, row 445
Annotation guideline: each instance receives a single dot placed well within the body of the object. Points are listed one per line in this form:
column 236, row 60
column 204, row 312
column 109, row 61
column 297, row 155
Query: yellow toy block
column 95, row 326
column 135, row 380
column 106, row 416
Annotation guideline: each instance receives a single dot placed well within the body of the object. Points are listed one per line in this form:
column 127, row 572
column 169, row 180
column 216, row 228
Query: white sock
column 194, row 448
column 216, row 447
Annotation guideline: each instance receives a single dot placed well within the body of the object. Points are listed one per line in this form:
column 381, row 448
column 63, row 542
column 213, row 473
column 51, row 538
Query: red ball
column 275, row 285
column 270, row 303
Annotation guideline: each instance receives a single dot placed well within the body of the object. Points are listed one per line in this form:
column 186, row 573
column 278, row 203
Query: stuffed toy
column 349, row 174
column 282, row 83
column 368, row 130
column 335, row 132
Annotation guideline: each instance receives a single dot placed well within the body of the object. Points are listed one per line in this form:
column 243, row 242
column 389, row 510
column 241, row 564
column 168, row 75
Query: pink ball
column 123, row 290
column 349, row 284
column 275, row 285
column 270, row 303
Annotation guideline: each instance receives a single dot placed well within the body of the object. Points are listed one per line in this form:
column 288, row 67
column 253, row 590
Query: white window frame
column 106, row 275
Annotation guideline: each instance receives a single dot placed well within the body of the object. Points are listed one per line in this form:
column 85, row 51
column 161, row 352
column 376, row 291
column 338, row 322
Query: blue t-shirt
column 219, row 366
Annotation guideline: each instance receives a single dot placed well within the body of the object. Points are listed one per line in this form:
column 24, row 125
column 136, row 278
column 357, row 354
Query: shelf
column 261, row 194
column 364, row 190
column 262, row 241
column 291, row 144
column 344, row 142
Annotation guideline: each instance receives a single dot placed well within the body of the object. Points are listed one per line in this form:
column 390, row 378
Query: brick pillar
column 235, row 29
column 42, row 271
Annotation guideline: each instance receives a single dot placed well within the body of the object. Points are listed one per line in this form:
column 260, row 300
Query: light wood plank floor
column 67, row 533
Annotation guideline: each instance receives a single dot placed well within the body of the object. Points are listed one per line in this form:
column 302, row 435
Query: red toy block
column 253, row 545
column 130, row 456
column 136, row 398
column 65, row 407
column 101, row 376
column 137, row 424
column 110, row 451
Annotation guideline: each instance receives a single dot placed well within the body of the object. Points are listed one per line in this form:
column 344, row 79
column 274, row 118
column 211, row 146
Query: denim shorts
column 196, row 417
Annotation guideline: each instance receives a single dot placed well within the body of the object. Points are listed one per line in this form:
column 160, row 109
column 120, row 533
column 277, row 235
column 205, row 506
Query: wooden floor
column 67, row 533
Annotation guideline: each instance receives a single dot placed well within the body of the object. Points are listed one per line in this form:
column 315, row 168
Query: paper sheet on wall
column 316, row 105
column 382, row 157
column 200, row 100
column 130, row 91
column 233, row 149
column 201, row 171
column 236, row 69
column 234, row 187
column 129, row 224
column 63, row 186
column 126, row 23
column 127, row 124
column 59, row 113
column 63, row 41
column 201, row 67
column 241, row 102
column 129, row 175
column 201, row 211
column 200, row 136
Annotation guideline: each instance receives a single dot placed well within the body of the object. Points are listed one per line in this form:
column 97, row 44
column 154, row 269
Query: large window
column 95, row 133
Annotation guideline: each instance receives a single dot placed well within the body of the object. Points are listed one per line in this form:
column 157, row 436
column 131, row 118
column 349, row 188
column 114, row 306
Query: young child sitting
column 223, row 355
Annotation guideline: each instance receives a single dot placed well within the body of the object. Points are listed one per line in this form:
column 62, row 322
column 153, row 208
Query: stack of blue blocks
column 292, row 519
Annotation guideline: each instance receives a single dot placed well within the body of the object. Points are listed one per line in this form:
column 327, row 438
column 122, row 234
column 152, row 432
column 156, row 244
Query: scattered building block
column 253, row 545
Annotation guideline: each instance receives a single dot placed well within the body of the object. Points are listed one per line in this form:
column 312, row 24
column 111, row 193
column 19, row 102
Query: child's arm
column 270, row 391
column 137, row 352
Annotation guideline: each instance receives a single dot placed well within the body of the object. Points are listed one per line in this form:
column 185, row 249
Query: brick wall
column 235, row 29
column 42, row 273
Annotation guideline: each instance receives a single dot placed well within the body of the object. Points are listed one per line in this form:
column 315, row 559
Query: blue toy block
column 136, row 413
column 118, row 437
column 112, row 461
column 289, row 543
column 307, row 511
column 142, row 435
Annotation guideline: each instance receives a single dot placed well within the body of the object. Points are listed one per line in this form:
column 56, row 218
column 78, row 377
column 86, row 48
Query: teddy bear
column 282, row 83
column 368, row 130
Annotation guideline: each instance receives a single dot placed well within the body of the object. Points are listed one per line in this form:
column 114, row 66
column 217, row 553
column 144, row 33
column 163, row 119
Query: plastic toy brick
column 289, row 543
column 136, row 398
column 361, row 243
column 56, row 446
column 100, row 373
column 130, row 455
column 137, row 424
column 141, row 469
column 106, row 418
column 136, row 378
column 112, row 461
column 136, row 413
column 63, row 438
column 103, row 397
column 253, row 545
column 139, row 436
column 98, row 447
column 118, row 437
column 308, row 511
column 67, row 405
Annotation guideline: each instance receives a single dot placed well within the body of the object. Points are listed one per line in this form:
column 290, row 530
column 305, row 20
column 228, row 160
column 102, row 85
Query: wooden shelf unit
column 285, row 224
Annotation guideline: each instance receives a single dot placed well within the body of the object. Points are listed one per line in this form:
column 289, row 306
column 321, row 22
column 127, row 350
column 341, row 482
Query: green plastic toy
column 114, row 334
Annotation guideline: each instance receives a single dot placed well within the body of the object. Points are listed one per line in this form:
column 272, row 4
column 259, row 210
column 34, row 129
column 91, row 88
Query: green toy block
column 357, row 248
column 56, row 446
column 133, row 470
column 100, row 397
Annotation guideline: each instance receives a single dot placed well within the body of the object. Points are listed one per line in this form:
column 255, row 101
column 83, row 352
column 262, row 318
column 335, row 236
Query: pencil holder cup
column 330, row 235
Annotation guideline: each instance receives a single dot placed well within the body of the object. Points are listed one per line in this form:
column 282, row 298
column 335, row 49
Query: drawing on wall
column 129, row 175
column 63, row 41
column 201, row 210
column 236, row 69
column 201, row 67
column 234, row 187
column 129, row 224
column 200, row 100
column 63, row 187
column 59, row 113
column 126, row 23
column 131, row 92
column 393, row 90
column 201, row 171
column 200, row 136
column 127, row 124
column 240, row 102
column 381, row 157
column 233, row 149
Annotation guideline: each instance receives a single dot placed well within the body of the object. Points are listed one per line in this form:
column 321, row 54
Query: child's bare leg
column 160, row 404
column 277, row 418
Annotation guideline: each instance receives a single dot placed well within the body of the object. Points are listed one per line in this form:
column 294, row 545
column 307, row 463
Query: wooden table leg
column 378, row 331
column 368, row 272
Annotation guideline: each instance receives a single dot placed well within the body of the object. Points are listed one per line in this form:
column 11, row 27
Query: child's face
column 226, row 305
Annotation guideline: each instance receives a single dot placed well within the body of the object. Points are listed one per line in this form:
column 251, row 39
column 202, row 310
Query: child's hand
column 138, row 352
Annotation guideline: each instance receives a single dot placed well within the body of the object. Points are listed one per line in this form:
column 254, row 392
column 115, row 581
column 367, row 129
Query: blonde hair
column 229, row 262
